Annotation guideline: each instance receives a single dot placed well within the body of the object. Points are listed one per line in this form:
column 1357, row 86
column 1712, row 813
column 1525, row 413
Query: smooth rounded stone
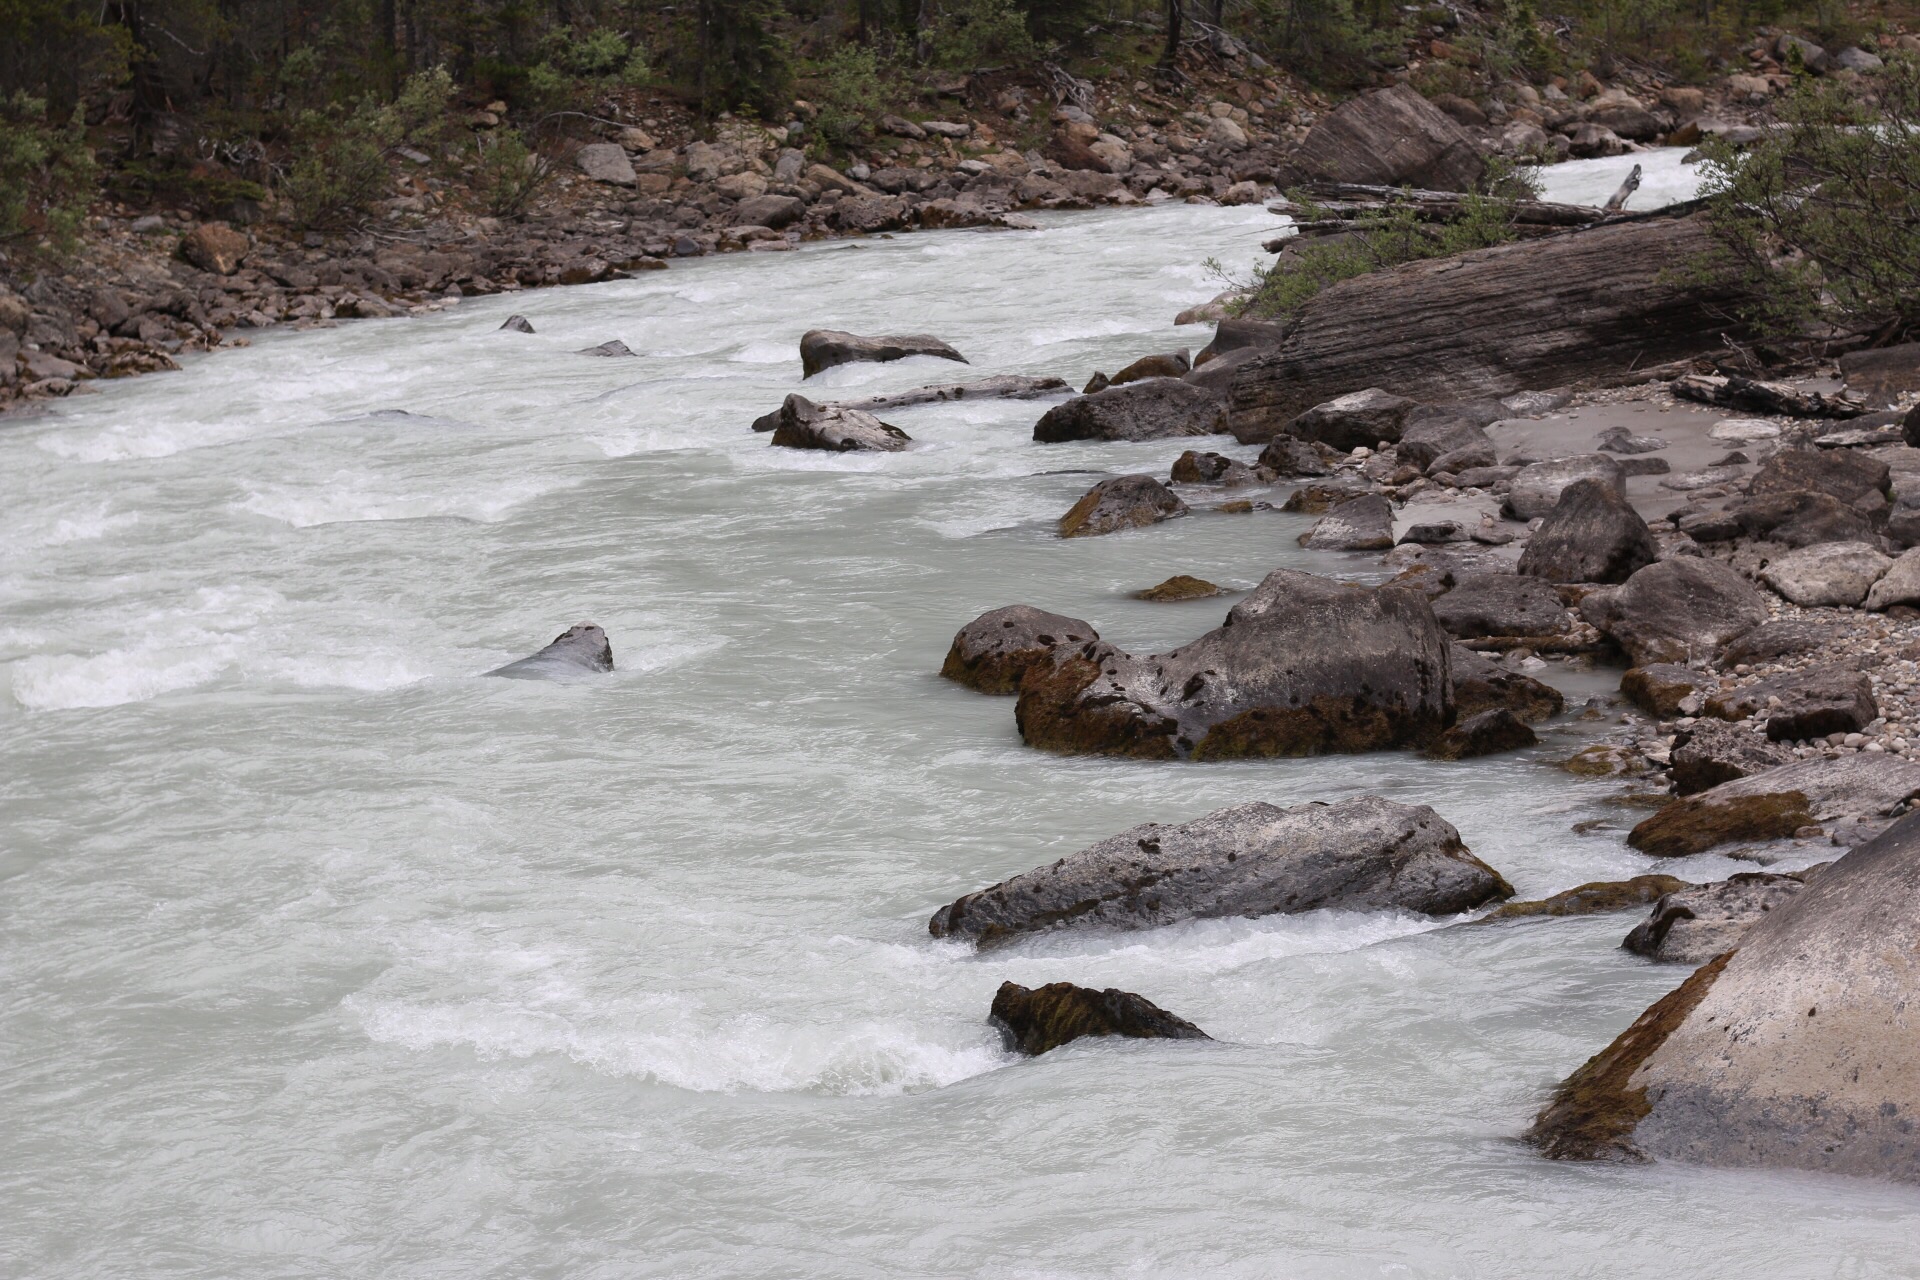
column 1152, row 409
column 1842, row 473
column 215, row 247
column 606, row 162
column 1181, row 586
column 1606, row 760
column 1900, row 584
column 1645, row 466
column 1793, row 1051
column 1234, row 334
column 1594, row 898
column 993, row 652
column 1170, row 364
column 1831, row 573
column 1303, row 666
column 1660, row 687
column 1123, row 502
column 1535, row 490
column 1782, row 638
column 613, row 348
column 1432, row 431
column 1851, row 791
column 582, row 649
column 1468, row 457
column 1364, row 523
column 1712, row 751
column 1317, row 499
column 1362, row 854
column 1714, row 477
column 1590, row 535
column 1695, row 924
column 1357, row 420
column 1484, row 734
column 1802, row 704
column 1288, row 457
column 1800, row 518
column 1435, row 533
column 1620, row 440
column 1744, row 430
column 1481, row 684
column 517, row 324
column 773, row 211
column 824, row 348
column 1501, row 604
column 1034, row 1021
column 833, row 428
column 1196, row 467
column 1676, row 610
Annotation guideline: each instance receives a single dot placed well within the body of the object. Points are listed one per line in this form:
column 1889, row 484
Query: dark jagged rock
column 1713, row 752
column 1695, row 924
column 1481, row 684
column 1432, row 431
column 611, row 348
column 581, row 649
column 1501, row 604
column 993, row 652
column 1793, row 1051
column 1318, row 499
column 517, row 324
column 824, row 348
column 1233, row 334
column 1302, row 666
column 1036, row 1021
column 1857, row 791
column 1362, row 854
column 1841, row 473
column 1152, row 409
column 1771, row 641
column 1591, row 535
column 1364, row 523
column 1535, row 490
column 1004, row 387
column 1124, row 502
column 1592, row 899
column 1677, row 610
column 1800, row 518
column 1484, row 734
column 802, row 424
column 1196, row 467
column 1357, row 420
column 1659, row 688
column 1811, row 703
column 1390, row 137
column 1180, row 586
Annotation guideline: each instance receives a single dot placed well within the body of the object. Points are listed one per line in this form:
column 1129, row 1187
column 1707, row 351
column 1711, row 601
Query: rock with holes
column 1854, row 794
column 1676, row 610
column 833, row 428
column 1695, row 924
column 1303, row 666
column 1793, row 1051
column 582, row 649
column 993, row 652
column 1362, row 854
column 1712, row 752
column 1151, row 409
column 1036, row 1020
column 825, row 348
column 1591, row 535
column 1124, row 502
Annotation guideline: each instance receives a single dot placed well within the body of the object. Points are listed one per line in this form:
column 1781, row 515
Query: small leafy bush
column 46, row 174
column 507, row 173
column 969, row 34
column 855, row 87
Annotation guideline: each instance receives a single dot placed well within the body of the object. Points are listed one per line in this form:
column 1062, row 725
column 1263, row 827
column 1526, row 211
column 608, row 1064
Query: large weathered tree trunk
column 1541, row 313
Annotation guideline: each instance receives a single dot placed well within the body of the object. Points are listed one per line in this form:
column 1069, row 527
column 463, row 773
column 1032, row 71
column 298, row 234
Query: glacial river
column 323, row 956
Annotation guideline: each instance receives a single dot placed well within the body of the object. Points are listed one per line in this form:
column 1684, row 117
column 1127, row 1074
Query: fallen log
column 1735, row 392
column 1337, row 202
column 1010, row 386
column 1587, row 304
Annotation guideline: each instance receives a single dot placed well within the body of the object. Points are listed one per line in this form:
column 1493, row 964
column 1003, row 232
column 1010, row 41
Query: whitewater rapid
column 325, row 956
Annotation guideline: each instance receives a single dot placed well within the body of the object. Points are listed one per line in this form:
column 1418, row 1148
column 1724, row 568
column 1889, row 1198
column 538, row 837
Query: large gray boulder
column 606, row 162
column 1676, row 610
column 1358, row 420
column 1364, row 523
column 582, row 649
column 1390, row 137
column 1796, row 1050
column 1363, row 854
column 1303, row 666
column 1695, row 924
column 1151, row 409
column 1433, row 431
column 833, row 428
column 1123, row 502
column 1501, row 604
column 1712, row 752
column 1845, row 474
column 1828, row 573
column 1900, row 584
column 1852, row 795
column 1592, row 534
column 1536, row 489
column 824, row 348
column 993, row 652
column 1798, row 518
column 775, row 211
column 1802, row 704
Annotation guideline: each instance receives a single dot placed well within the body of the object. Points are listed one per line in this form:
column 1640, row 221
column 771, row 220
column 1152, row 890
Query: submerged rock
column 822, row 349
column 611, row 348
column 1037, row 1020
column 1002, row 387
column 517, row 324
column 802, row 424
column 1483, row 734
column 1302, row 666
column 1363, row 854
column 1591, row 899
column 993, row 652
column 1181, row 586
column 1364, row 523
column 1152, row 409
column 1856, row 793
column 1793, row 1051
column 1695, row 924
column 1124, row 502
column 581, row 649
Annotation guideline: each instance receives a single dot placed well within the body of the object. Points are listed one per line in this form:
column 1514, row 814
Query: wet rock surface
column 1695, row 924
column 582, row 649
column 1358, row 524
column 1484, row 733
column 1590, row 535
column 1124, row 502
column 1853, row 796
column 1802, row 704
column 993, row 652
column 1595, row 898
column 1152, row 409
column 1712, row 752
column 1037, row 1020
column 802, row 424
column 822, row 349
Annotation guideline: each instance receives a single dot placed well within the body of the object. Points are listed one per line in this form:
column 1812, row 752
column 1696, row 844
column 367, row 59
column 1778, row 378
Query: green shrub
column 855, row 85
column 969, row 34
column 507, row 174
column 46, row 174
column 340, row 158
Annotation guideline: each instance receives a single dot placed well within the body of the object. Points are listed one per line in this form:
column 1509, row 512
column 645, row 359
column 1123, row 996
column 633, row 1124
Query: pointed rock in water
column 1590, row 899
column 1124, row 502
column 1172, row 364
column 802, row 424
column 1303, row 666
column 824, row 348
column 614, row 347
column 1036, row 1020
column 1695, row 924
column 1362, row 854
column 517, row 324
column 1181, row 586
column 993, row 652
column 1198, row 467
column 581, row 649
column 1793, row 1051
